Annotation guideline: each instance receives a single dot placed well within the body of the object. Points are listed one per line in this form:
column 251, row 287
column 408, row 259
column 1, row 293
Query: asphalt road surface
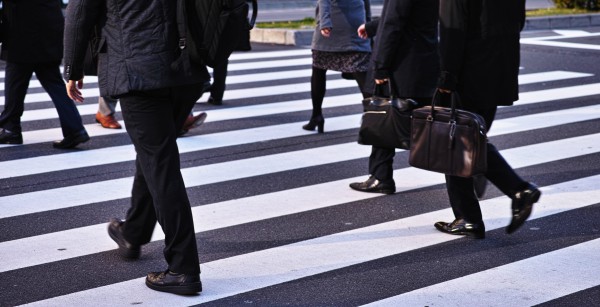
column 276, row 221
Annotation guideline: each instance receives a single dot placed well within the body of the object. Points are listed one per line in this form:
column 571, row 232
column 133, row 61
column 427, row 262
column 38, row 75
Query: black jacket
column 406, row 46
column 479, row 49
column 138, row 45
column 33, row 31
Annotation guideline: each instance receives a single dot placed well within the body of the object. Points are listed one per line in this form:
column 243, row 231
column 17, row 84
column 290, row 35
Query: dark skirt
column 348, row 62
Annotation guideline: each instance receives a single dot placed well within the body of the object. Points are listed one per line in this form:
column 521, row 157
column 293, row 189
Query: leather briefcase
column 448, row 140
column 386, row 121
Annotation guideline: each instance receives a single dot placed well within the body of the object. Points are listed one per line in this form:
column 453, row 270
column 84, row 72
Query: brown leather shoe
column 107, row 121
column 192, row 122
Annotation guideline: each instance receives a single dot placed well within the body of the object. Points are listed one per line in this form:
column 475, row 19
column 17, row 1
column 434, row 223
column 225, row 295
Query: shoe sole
column 515, row 224
column 108, row 127
column 199, row 121
column 17, row 142
column 466, row 234
column 187, row 289
column 382, row 191
column 73, row 144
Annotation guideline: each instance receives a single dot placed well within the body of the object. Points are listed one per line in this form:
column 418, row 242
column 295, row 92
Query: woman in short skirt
column 337, row 46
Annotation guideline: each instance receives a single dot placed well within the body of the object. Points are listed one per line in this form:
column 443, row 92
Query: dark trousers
column 463, row 200
column 217, row 88
column 152, row 119
column 16, row 83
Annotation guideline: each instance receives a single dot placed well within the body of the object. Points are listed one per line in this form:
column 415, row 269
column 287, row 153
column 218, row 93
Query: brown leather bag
column 448, row 140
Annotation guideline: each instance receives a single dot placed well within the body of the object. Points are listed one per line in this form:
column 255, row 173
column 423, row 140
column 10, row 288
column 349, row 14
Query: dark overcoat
column 33, row 31
column 479, row 49
column 406, row 46
column 138, row 45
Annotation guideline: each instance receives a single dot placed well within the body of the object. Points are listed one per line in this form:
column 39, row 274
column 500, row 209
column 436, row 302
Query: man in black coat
column 480, row 52
column 137, row 63
column 406, row 55
column 33, row 42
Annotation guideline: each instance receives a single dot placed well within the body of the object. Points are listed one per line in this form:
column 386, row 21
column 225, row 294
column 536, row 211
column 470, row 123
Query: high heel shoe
column 315, row 122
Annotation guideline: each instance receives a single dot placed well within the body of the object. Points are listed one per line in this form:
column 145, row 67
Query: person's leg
column 463, row 200
column 16, row 82
column 217, row 88
column 106, row 110
column 381, row 171
column 381, row 163
column 107, row 105
column 317, row 91
column 49, row 76
column 158, row 158
column 361, row 79
column 141, row 216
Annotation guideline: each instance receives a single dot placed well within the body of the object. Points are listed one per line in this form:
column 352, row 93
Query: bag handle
column 454, row 102
column 379, row 88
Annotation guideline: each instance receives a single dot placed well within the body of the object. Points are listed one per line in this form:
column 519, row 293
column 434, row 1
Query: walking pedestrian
column 480, row 54
column 336, row 46
column 33, row 43
column 137, row 64
column 406, row 55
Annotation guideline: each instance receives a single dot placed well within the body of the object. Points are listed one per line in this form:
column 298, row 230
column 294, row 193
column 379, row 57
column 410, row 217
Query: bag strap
column 454, row 102
column 183, row 58
column 254, row 14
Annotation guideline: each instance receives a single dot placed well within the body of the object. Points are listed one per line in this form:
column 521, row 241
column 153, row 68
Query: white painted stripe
column 586, row 34
column 72, row 160
column 527, row 282
column 267, row 63
column 273, row 76
column 559, row 93
column 562, row 44
column 282, row 89
column 237, row 56
column 571, row 33
column 239, row 274
column 550, row 76
column 92, row 239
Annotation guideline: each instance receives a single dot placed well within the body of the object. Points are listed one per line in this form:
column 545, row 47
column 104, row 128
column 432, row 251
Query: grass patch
column 306, row 23
column 556, row 11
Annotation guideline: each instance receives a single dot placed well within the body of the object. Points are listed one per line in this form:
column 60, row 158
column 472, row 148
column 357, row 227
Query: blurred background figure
column 33, row 42
column 337, row 46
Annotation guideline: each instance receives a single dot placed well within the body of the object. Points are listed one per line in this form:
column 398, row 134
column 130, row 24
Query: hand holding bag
column 448, row 140
column 386, row 120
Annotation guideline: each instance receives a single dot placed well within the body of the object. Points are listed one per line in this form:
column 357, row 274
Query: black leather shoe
column 479, row 185
column 126, row 249
column 72, row 140
column 214, row 102
column 462, row 228
column 522, row 203
column 9, row 137
column 375, row 186
column 171, row 282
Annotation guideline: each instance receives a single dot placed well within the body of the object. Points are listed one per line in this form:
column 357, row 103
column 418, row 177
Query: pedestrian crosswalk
column 275, row 219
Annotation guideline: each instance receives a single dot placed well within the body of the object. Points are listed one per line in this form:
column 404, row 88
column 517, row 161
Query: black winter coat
column 406, row 46
column 479, row 49
column 33, row 31
column 137, row 49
